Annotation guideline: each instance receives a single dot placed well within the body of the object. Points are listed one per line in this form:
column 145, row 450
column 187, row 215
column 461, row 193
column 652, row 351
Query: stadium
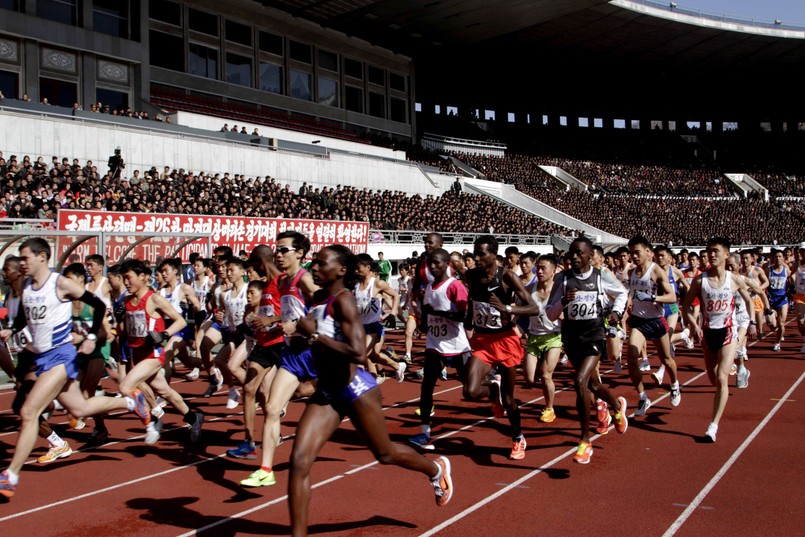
column 157, row 129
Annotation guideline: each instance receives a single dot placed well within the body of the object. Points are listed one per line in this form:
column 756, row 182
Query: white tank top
column 718, row 304
column 445, row 336
column 172, row 298
column 99, row 293
column 235, row 307
column 644, row 283
column 369, row 307
column 540, row 325
column 201, row 291
column 799, row 281
column 325, row 324
column 50, row 319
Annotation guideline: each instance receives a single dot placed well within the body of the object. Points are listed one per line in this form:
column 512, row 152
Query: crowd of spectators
column 36, row 189
column 780, row 184
column 101, row 108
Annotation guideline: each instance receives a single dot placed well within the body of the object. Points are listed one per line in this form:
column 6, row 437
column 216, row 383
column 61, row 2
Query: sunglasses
column 285, row 249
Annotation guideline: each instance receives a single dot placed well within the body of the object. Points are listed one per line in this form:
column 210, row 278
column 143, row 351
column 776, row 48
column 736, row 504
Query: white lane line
column 727, row 465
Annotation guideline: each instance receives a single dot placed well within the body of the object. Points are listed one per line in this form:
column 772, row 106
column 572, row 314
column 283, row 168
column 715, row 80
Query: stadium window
column 58, row 92
column 9, row 84
column 165, row 11
column 328, row 60
column 271, row 43
column 166, row 51
column 397, row 82
column 328, row 91
column 353, row 68
column 417, row 107
column 528, row 119
column 238, row 69
column 115, row 99
column 544, row 119
column 300, row 85
column 271, row 77
column 399, row 110
column 785, row 126
column 693, row 125
column 619, row 123
column 584, row 122
column 301, row 52
column 202, row 61
column 377, row 104
column 64, row 11
column 111, row 17
column 656, row 125
column 765, row 126
column 708, row 126
column 437, row 109
column 563, row 121
column 452, row 111
column 204, row 23
column 672, row 126
column 598, row 123
column 238, row 33
column 377, row 76
column 489, row 115
column 635, row 124
column 510, row 117
column 800, row 126
column 729, row 126
column 354, row 99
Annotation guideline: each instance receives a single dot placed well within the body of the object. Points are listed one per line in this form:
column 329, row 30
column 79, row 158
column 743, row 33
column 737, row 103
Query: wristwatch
column 508, row 308
column 314, row 337
column 91, row 337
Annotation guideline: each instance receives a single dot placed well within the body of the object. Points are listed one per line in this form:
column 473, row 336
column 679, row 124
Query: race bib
column 136, row 324
column 584, row 306
column 485, row 316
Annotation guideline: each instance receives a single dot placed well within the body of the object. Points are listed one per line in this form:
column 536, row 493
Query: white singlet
column 718, row 304
column 644, row 283
column 234, row 308
column 49, row 318
column 370, row 307
column 445, row 336
column 540, row 325
column 201, row 292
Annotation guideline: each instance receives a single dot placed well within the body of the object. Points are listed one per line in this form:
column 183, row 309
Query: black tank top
column 485, row 318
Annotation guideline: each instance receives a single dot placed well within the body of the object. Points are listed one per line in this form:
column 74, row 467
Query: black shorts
column 650, row 328
column 236, row 338
column 267, row 356
column 25, row 364
column 716, row 338
column 577, row 351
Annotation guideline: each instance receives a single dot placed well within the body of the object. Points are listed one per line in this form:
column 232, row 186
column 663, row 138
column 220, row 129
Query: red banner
column 239, row 233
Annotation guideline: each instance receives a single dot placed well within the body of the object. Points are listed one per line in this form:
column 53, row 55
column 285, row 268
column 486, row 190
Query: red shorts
column 146, row 352
column 498, row 348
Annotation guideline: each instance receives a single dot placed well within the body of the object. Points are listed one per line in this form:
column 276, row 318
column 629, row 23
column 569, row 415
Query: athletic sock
column 643, row 395
column 157, row 412
column 438, row 476
column 55, row 440
column 675, row 385
column 426, row 430
column 266, row 469
column 129, row 404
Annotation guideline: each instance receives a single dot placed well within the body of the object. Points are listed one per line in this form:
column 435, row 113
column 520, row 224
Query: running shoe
column 420, row 373
column 742, row 380
column 245, row 450
column 140, row 406
column 6, row 488
column 216, row 382
column 710, row 434
column 444, row 373
column 418, row 412
column 645, row 365
column 211, row 389
column 659, row 375
column 153, row 431
column 259, row 478
column 195, row 429
column 685, row 336
column 676, row 396
column 604, row 419
column 56, row 453
column 583, row 453
column 442, row 483
column 563, row 361
column 233, row 399
column 518, row 449
column 380, row 379
column 392, row 354
column 497, row 399
column 547, row 416
column 421, row 441
column 642, row 406
column 77, row 424
column 401, row 366
column 618, row 365
column 98, row 437
column 193, row 375
column 776, row 347
column 621, row 421
column 407, row 359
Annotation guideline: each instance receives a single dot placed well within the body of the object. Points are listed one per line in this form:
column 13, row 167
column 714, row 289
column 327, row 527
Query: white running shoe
column 233, row 399
column 401, row 367
column 710, row 434
column 776, row 347
column 642, row 406
column 193, row 375
column 676, row 396
column 742, row 379
column 153, row 431
column 645, row 365
column 659, row 375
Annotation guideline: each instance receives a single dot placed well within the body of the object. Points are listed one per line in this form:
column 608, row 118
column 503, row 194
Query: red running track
column 657, row 479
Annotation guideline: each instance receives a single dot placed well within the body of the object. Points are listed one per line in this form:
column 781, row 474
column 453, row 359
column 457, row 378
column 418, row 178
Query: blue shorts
column 777, row 302
column 374, row 328
column 125, row 352
column 216, row 326
column 651, row 328
column 185, row 333
column 671, row 309
column 300, row 364
column 63, row 354
column 341, row 398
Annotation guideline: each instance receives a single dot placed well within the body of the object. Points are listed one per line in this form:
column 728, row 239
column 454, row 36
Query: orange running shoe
column 518, row 449
column 442, row 483
column 621, row 421
column 583, row 453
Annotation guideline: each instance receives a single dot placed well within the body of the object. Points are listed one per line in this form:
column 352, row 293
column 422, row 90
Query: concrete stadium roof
column 637, row 31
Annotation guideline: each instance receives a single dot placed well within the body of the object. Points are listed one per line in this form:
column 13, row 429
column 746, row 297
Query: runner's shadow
column 652, row 423
column 175, row 512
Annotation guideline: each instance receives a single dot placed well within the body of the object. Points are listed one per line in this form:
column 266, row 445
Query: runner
column 335, row 335
column 671, row 311
column 648, row 291
column 798, row 282
column 754, row 273
column 581, row 294
column 779, row 275
column 182, row 297
column 202, row 284
column 46, row 304
column 230, row 314
column 446, row 342
column 212, row 327
column 717, row 289
column 495, row 343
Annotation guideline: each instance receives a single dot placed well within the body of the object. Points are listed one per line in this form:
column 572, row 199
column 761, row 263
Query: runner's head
column 95, row 263
column 292, row 247
column 433, row 241
column 135, row 275
column 255, row 292
column 733, row 263
column 546, row 267
column 801, row 253
column 75, row 272
column 469, row 261
column 718, row 248
column 365, row 266
column 334, row 263
column 438, row 261
column 457, row 263
column 622, row 257
column 640, row 249
column 527, row 262
column 777, row 257
column 512, row 254
column 597, row 257
column 200, row 266
column 235, row 270
column 748, row 258
column 580, row 252
column 485, row 250
column 115, row 277
column 664, row 255
column 34, row 255
column 170, row 269
column 11, row 270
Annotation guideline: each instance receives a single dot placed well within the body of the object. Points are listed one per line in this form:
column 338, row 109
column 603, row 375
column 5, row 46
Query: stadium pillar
column 31, row 72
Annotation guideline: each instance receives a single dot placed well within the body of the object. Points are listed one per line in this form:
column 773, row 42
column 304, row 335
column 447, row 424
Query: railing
column 418, row 237
column 26, row 223
column 672, row 7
